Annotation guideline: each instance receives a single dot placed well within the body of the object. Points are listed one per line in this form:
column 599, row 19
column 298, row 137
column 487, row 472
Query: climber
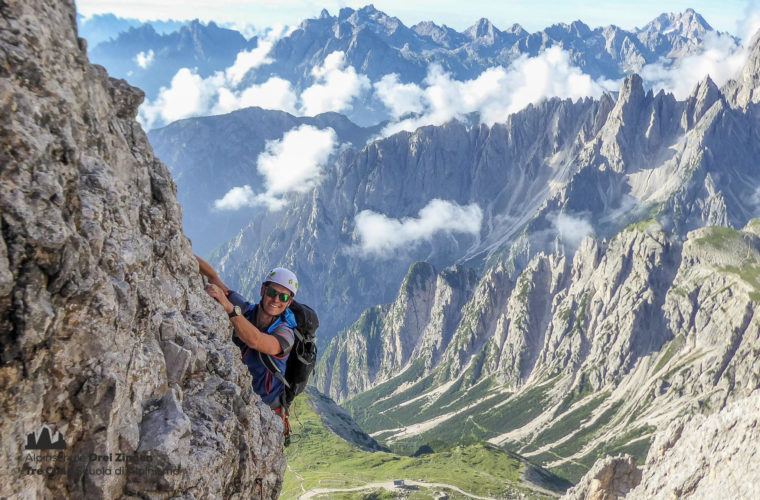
column 261, row 329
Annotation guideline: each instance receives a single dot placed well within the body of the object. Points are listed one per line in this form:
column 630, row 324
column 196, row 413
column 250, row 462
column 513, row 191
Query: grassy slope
column 496, row 413
column 319, row 459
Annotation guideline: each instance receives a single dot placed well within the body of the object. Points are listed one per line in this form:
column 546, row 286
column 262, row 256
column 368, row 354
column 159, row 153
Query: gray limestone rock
column 609, row 479
column 743, row 91
column 699, row 457
column 101, row 304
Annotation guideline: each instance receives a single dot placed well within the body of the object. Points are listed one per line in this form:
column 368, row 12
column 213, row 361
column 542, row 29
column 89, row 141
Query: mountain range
column 595, row 277
column 505, row 308
column 588, row 352
column 550, row 175
column 103, row 27
column 591, row 308
column 375, row 44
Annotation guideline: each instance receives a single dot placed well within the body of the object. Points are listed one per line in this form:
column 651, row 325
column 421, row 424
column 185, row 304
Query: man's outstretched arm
column 245, row 330
column 208, row 271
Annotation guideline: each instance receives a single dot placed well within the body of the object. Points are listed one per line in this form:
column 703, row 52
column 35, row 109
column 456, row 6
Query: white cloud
column 571, row 230
column 248, row 60
column 335, row 88
column 721, row 59
column 295, row 162
column 291, row 164
column 399, row 98
column 275, row 93
column 749, row 23
column 145, row 59
column 254, row 58
column 380, row 235
column 191, row 95
column 495, row 94
column 188, row 95
column 237, row 198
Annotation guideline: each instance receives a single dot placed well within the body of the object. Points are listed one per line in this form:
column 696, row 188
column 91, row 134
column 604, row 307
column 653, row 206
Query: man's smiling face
column 274, row 306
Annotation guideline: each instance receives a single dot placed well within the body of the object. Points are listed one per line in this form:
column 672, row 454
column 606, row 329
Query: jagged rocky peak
column 442, row 35
column 745, row 89
column 366, row 14
column 517, row 30
column 621, row 133
column 483, row 31
column 428, row 28
column 688, row 24
column 107, row 336
column 704, row 95
column 580, row 28
column 632, row 91
column 562, row 31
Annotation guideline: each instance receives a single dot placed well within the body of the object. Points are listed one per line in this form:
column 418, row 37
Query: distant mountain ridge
column 376, row 44
column 195, row 45
column 102, row 27
column 370, row 37
column 572, row 359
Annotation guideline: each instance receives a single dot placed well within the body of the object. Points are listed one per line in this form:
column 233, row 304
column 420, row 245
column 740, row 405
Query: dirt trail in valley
column 390, row 486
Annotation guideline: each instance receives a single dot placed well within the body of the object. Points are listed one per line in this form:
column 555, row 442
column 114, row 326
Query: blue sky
column 533, row 15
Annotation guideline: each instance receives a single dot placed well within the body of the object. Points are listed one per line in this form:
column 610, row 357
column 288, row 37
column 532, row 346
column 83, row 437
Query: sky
column 533, row 15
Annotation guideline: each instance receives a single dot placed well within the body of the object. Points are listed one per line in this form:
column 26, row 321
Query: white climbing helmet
column 284, row 277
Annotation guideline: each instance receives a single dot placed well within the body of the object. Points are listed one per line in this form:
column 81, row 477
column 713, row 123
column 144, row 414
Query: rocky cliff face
column 609, row 479
column 698, row 457
column 706, row 457
column 577, row 359
column 107, row 335
column 743, row 90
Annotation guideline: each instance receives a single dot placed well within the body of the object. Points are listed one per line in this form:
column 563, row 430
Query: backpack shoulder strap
column 266, row 360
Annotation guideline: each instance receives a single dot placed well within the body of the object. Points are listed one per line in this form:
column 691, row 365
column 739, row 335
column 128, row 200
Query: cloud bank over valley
column 293, row 164
column 380, row 236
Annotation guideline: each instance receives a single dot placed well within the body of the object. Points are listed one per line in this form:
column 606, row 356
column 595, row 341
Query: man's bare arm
column 254, row 338
column 245, row 330
column 208, row 271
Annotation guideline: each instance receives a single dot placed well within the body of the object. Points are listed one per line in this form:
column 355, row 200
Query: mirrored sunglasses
column 272, row 293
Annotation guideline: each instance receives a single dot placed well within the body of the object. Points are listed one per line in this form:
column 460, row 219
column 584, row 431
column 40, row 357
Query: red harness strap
column 286, row 424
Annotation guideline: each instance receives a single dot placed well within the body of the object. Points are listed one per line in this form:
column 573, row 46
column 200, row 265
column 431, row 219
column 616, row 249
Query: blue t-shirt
column 264, row 383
